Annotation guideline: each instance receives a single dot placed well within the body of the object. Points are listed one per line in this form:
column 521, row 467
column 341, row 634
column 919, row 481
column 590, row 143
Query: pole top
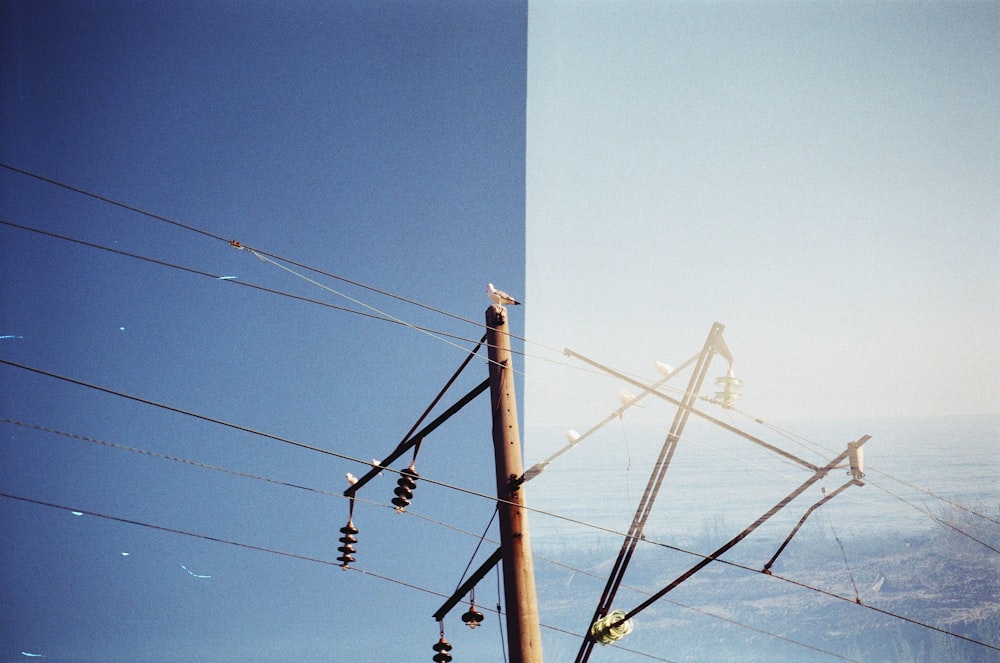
column 496, row 315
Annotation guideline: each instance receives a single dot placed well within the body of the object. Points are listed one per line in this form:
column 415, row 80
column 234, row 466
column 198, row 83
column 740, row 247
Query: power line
column 707, row 613
column 535, row 510
column 947, row 501
column 385, row 318
column 833, row 595
column 937, row 519
column 481, row 537
column 215, row 539
column 111, row 201
column 266, row 258
column 327, row 493
column 175, row 459
column 653, row 389
column 239, row 282
column 205, row 233
column 328, row 452
column 238, row 244
column 239, row 427
column 261, row 255
column 809, row 444
column 177, row 410
column 403, row 583
column 378, row 315
column 217, row 237
column 272, row 551
column 482, row 495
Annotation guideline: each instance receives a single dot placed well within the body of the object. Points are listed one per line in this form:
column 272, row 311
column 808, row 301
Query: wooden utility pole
column 523, row 631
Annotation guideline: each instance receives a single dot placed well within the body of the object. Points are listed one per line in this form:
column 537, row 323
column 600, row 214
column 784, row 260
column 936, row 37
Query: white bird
column 572, row 436
column 351, row 479
column 499, row 297
column 664, row 369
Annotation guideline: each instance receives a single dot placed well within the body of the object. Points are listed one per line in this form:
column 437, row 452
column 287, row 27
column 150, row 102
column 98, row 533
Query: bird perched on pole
column 499, row 297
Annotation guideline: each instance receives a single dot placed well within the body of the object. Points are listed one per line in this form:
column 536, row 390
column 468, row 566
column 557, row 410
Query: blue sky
column 379, row 142
column 820, row 178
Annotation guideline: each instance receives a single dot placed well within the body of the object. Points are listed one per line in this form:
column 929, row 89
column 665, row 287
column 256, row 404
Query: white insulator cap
column 663, row 369
column 627, row 399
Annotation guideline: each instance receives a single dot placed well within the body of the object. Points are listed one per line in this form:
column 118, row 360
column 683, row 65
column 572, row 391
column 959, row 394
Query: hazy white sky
column 821, row 178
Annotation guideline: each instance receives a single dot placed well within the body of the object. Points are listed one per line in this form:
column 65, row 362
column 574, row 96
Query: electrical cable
column 628, row 468
column 935, row 518
column 260, row 254
column 244, row 429
column 819, row 448
column 947, row 501
column 870, row 469
column 154, row 454
column 111, row 201
column 277, row 257
column 274, row 551
column 932, row 516
column 478, row 545
column 503, row 640
column 836, row 596
column 819, row 474
column 339, row 495
column 266, row 258
column 481, row 537
column 264, row 549
column 431, row 481
column 578, row 522
column 701, row 611
column 211, row 235
column 171, row 530
column 214, row 236
column 430, row 331
column 435, row 333
column 216, row 468
column 318, row 449
column 843, row 553
column 177, row 410
column 238, row 282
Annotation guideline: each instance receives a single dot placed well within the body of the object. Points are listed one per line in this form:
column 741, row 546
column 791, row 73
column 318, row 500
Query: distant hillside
column 941, row 577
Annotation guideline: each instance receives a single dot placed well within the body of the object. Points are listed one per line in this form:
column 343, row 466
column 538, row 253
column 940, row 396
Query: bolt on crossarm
column 523, row 630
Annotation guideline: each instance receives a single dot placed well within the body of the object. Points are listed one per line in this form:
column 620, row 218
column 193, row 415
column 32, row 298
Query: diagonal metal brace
column 411, row 441
column 809, row 511
column 690, row 408
column 819, row 474
column 468, row 585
